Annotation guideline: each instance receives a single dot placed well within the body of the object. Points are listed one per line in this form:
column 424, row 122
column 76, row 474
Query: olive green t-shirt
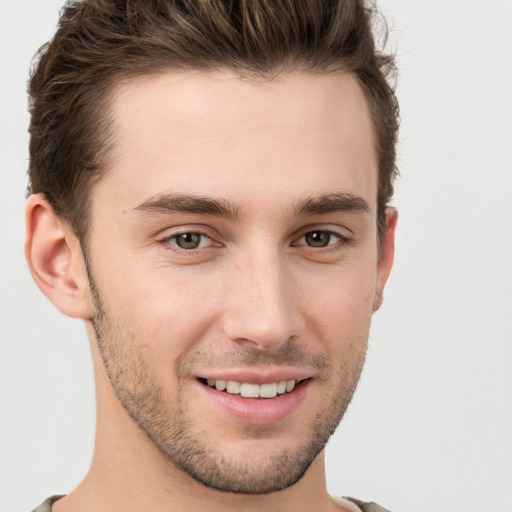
column 365, row 507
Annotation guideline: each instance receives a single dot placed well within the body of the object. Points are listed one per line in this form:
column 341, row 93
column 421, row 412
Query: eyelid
column 341, row 234
column 343, row 239
column 202, row 240
column 168, row 235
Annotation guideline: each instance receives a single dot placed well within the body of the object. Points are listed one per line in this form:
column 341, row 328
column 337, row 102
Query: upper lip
column 252, row 376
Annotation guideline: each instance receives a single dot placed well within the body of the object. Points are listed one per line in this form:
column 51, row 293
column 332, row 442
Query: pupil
column 188, row 240
column 318, row 238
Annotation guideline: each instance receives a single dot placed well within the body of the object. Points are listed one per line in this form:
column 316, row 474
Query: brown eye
column 190, row 240
column 318, row 238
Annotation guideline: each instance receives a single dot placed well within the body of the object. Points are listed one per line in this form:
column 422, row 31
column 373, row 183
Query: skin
column 283, row 159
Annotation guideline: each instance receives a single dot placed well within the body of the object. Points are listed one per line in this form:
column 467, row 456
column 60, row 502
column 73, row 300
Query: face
column 234, row 268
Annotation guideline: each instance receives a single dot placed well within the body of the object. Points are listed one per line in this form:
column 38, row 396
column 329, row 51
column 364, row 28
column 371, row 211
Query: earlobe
column 386, row 256
column 55, row 259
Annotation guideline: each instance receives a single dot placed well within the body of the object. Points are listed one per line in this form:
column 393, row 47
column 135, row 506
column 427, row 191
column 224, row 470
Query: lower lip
column 258, row 411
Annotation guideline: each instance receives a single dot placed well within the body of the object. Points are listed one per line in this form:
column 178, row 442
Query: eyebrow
column 184, row 203
column 332, row 203
column 204, row 205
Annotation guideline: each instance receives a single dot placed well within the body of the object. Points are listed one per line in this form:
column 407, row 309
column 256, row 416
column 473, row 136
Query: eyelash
column 345, row 240
column 170, row 242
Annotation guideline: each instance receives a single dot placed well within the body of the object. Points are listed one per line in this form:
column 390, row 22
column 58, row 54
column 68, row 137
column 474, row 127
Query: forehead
column 217, row 134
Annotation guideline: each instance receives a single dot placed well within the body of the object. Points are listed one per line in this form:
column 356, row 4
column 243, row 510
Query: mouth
column 255, row 397
column 251, row 390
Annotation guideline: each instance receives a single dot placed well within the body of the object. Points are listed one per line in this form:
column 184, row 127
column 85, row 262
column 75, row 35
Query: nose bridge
column 261, row 305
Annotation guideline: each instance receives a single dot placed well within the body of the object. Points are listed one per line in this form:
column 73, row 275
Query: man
column 209, row 187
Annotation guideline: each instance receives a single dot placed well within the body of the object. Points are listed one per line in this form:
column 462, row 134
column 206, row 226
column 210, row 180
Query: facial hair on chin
column 167, row 423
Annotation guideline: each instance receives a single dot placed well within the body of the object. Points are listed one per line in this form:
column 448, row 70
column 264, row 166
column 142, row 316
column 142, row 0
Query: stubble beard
column 167, row 425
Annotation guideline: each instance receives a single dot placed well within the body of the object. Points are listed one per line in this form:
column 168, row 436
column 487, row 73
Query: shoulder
column 46, row 506
column 367, row 507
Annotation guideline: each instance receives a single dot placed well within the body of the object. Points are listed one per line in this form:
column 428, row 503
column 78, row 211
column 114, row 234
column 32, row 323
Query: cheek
column 165, row 311
column 340, row 305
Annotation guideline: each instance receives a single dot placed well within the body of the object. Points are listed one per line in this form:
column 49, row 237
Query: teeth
column 220, row 385
column 247, row 390
column 250, row 390
column 268, row 390
column 233, row 387
column 281, row 387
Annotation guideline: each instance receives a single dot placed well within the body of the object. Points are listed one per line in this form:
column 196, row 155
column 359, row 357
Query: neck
column 127, row 478
column 129, row 473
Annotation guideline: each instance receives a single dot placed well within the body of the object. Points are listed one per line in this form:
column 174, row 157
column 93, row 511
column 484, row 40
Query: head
column 215, row 179
column 100, row 44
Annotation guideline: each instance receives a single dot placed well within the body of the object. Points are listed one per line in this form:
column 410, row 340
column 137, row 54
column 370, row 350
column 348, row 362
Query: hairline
column 112, row 89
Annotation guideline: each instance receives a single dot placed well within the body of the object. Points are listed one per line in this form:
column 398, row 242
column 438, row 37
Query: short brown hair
column 98, row 43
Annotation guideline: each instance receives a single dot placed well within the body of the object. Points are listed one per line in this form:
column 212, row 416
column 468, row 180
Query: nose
column 261, row 305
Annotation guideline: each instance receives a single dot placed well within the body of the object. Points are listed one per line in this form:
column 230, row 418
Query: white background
column 430, row 428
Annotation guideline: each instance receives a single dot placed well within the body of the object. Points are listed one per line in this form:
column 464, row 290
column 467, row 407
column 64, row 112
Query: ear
column 55, row 259
column 386, row 256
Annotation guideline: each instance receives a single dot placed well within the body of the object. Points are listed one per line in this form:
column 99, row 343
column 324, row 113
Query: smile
column 248, row 390
column 259, row 403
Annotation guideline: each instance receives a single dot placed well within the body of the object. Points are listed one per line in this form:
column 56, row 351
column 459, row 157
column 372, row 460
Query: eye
column 320, row 238
column 190, row 240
